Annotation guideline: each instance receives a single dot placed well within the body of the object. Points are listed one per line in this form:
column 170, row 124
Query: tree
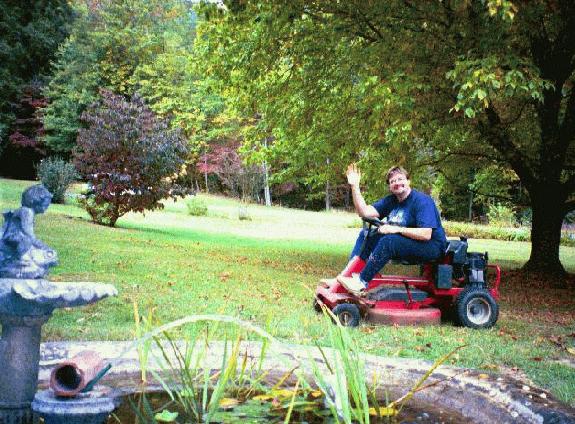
column 30, row 32
column 24, row 148
column 465, row 191
column 130, row 158
column 424, row 84
column 111, row 42
column 174, row 88
column 238, row 179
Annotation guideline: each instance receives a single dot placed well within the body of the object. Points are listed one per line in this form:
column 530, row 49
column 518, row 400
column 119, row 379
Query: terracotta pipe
column 70, row 377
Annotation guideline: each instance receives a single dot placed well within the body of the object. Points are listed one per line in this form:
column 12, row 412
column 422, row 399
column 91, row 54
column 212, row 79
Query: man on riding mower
column 412, row 227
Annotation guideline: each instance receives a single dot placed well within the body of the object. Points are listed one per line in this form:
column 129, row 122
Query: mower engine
column 475, row 268
column 470, row 267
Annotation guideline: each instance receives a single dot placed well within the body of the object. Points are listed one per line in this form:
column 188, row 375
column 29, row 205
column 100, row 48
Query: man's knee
column 391, row 242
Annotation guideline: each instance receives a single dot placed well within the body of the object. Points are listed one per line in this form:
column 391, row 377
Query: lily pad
column 166, row 416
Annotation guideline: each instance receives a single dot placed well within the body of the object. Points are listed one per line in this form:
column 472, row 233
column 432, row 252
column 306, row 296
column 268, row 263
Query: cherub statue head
column 37, row 198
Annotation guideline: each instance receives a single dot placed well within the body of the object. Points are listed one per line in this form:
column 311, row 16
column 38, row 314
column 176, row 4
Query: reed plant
column 201, row 393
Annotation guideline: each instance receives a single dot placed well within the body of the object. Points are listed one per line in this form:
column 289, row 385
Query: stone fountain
column 27, row 301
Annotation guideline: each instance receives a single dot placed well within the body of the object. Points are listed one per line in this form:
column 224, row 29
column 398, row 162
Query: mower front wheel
column 347, row 314
column 317, row 305
column 476, row 308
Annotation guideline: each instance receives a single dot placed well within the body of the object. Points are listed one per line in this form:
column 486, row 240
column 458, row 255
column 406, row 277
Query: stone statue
column 22, row 255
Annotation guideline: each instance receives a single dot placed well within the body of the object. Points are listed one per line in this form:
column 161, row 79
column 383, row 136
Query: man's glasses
column 397, row 179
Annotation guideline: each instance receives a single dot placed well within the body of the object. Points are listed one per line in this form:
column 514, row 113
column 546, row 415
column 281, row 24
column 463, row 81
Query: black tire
column 317, row 305
column 347, row 314
column 476, row 308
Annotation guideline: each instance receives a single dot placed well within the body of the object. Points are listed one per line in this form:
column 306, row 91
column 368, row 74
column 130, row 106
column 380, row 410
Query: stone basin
column 37, row 297
column 478, row 396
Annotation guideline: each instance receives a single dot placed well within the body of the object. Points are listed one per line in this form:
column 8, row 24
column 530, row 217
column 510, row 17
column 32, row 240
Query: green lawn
column 265, row 270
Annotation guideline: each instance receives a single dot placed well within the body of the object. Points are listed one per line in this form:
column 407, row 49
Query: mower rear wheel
column 347, row 314
column 476, row 308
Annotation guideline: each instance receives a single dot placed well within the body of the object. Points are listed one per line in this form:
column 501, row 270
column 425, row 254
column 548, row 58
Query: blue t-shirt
column 418, row 210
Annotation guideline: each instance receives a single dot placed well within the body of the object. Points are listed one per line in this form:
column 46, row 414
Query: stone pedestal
column 20, row 353
column 93, row 407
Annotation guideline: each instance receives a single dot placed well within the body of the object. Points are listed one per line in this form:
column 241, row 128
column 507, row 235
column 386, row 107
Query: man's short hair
column 396, row 170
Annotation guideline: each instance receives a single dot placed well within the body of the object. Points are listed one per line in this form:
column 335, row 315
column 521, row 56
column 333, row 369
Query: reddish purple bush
column 130, row 158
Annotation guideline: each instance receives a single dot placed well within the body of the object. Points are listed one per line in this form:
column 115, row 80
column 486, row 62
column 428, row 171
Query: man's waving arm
column 363, row 209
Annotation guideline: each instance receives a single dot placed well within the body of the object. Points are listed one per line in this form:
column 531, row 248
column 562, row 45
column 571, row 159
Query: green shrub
column 197, row 206
column 471, row 230
column 501, row 215
column 56, row 174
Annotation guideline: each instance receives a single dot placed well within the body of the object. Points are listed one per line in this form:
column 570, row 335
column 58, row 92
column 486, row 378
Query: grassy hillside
column 265, row 270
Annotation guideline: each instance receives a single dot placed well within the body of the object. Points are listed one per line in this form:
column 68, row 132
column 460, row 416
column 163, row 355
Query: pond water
column 260, row 412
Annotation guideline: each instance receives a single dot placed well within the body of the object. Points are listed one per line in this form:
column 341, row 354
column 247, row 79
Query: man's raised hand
column 353, row 175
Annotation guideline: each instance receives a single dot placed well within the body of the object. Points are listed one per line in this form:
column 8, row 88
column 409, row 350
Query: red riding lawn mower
column 455, row 285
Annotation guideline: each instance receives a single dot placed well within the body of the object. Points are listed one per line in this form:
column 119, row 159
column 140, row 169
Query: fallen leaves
column 491, row 367
column 423, row 348
column 505, row 332
column 367, row 329
column 383, row 411
column 557, row 341
column 278, row 395
column 229, row 403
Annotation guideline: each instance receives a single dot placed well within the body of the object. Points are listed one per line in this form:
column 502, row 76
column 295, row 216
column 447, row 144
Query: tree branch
column 497, row 137
column 489, row 195
column 569, row 185
column 569, row 206
column 507, row 124
column 436, row 162
column 370, row 25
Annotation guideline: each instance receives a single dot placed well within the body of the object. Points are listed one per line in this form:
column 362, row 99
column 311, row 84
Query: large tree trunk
column 544, row 263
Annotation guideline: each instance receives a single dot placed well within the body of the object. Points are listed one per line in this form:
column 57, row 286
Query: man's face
column 398, row 184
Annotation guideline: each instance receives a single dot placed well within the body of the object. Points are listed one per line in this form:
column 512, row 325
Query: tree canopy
column 126, row 47
column 30, row 32
column 430, row 85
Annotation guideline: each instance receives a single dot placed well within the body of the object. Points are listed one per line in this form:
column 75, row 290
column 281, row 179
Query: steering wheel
column 373, row 222
column 371, row 225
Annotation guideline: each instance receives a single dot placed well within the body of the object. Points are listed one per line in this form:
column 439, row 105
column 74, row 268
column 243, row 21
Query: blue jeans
column 381, row 248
